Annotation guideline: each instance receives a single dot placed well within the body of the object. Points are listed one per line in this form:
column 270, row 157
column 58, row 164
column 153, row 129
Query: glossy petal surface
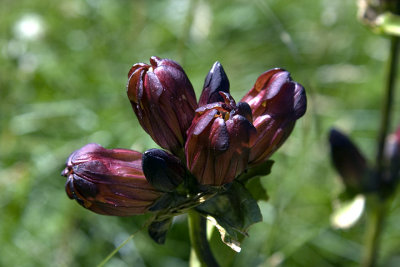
column 109, row 181
column 164, row 101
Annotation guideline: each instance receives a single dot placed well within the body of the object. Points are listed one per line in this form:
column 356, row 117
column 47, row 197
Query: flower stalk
column 199, row 241
column 375, row 223
column 388, row 100
column 377, row 214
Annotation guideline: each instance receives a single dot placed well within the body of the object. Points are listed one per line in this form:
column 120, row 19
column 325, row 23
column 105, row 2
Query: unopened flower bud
column 392, row 159
column 215, row 82
column 109, row 181
column 162, row 170
column 276, row 102
column 348, row 161
column 219, row 139
column 164, row 101
column 370, row 11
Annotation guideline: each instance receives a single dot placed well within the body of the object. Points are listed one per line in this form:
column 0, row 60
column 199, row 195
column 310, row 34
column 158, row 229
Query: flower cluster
column 208, row 143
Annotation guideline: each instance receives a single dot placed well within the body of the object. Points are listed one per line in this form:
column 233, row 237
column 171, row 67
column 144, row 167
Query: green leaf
column 257, row 189
column 259, row 170
column 232, row 212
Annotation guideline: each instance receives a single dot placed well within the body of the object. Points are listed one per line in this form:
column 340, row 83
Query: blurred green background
column 63, row 71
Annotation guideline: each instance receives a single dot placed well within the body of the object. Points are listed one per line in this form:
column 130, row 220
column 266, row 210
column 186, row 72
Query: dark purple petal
column 162, row 170
column 271, row 134
column 218, row 144
column 276, row 102
column 215, row 82
column 109, row 181
column 164, row 101
column 348, row 160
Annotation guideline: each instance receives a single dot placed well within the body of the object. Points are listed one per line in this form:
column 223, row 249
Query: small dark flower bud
column 348, row 161
column 392, row 159
column 162, row 170
column 109, row 181
column 215, row 82
column 164, row 101
column 276, row 102
column 219, row 140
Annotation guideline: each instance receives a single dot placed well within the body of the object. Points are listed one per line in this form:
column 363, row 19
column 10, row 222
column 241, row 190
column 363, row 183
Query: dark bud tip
column 215, row 82
column 162, row 170
column 244, row 109
column 300, row 101
column 158, row 230
column 348, row 160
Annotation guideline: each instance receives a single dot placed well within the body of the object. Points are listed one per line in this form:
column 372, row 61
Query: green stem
column 199, row 241
column 375, row 221
column 377, row 204
column 388, row 101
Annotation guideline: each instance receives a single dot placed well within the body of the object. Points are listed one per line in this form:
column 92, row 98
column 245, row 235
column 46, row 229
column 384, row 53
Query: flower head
column 276, row 102
column 209, row 143
column 109, row 181
column 219, row 141
column 164, row 101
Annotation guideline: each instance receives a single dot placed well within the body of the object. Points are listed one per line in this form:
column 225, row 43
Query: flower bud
column 164, row 101
column 392, row 159
column 348, row 161
column 215, row 82
column 162, row 170
column 370, row 11
column 276, row 102
column 219, row 139
column 109, row 181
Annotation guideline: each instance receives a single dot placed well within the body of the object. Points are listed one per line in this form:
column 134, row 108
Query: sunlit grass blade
column 118, row 248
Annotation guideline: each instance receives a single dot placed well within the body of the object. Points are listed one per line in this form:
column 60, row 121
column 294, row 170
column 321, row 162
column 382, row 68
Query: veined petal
column 164, row 101
column 109, row 181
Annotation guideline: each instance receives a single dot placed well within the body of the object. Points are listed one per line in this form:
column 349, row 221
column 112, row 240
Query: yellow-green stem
column 376, row 206
column 199, row 241
column 376, row 215
column 387, row 101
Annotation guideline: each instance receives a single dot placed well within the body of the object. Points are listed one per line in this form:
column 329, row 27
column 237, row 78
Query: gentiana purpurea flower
column 219, row 141
column 109, row 181
column 276, row 102
column 213, row 141
column 164, row 101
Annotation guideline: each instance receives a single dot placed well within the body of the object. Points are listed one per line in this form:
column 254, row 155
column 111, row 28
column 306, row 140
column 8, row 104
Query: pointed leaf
column 233, row 212
column 257, row 189
column 261, row 169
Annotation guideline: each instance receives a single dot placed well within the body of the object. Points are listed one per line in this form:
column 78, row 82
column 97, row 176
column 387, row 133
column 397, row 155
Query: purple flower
column 219, row 140
column 276, row 102
column 213, row 141
column 164, row 101
column 109, row 181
